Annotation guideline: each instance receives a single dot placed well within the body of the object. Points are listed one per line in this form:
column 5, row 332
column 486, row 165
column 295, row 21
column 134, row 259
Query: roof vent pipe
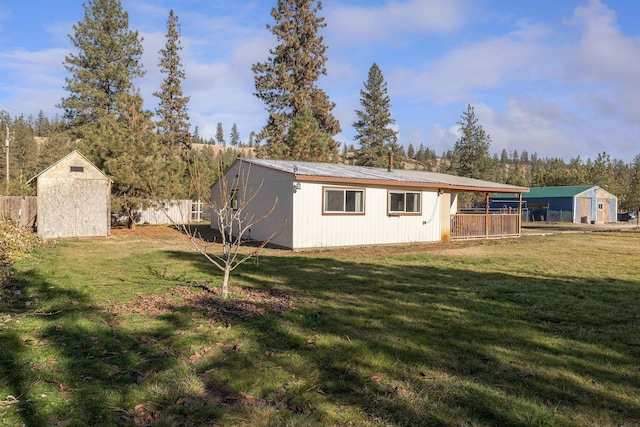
column 390, row 168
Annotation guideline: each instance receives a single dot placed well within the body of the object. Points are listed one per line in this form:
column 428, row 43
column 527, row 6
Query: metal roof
column 313, row 171
column 570, row 191
column 552, row 192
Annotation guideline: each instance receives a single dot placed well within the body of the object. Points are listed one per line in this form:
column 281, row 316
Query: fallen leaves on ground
column 246, row 303
column 142, row 415
column 376, row 378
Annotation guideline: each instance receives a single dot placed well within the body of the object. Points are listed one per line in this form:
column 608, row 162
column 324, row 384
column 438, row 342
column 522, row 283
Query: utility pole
column 6, row 145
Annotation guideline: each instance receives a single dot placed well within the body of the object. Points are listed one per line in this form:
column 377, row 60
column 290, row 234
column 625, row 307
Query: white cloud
column 393, row 20
column 604, row 53
column 487, row 64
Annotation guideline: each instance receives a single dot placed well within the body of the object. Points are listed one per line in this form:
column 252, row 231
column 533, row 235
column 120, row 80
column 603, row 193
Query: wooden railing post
column 486, row 214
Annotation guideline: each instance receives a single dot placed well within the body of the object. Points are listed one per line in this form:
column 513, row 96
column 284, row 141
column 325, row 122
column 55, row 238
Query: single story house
column 578, row 204
column 331, row 205
column 74, row 199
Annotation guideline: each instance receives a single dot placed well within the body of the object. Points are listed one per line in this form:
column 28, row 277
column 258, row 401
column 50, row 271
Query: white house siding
column 275, row 185
column 313, row 229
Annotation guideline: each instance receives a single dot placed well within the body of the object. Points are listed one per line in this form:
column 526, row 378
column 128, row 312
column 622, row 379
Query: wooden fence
column 174, row 212
column 469, row 226
column 20, row 209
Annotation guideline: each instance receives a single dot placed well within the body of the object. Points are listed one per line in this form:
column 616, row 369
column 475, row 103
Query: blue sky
column 561, row 78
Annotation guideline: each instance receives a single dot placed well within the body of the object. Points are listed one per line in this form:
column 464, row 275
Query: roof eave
column 408, row 184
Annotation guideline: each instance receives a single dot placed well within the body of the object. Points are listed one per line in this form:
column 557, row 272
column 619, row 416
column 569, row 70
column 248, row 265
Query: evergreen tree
column 601, row 172
column 173, row 123
column 420, row 154
column 411, row 151
column 504, row 158
column 235, row 136
column 132, row 157
column 286, row 82
column 373, row 127
column 306, row 140
column 220, row 135
column 471, row 151
column 634, row 186
column 107, row 58
column 23, row 154
column 517, row 178
column 57, row 146
column 42, row 127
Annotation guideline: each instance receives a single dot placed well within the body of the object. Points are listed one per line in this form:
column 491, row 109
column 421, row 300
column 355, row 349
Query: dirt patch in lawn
column 244, row 303
column 145, row 230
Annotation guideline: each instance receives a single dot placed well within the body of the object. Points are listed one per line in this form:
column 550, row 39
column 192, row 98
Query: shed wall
column 73, row 203
column 69, row 207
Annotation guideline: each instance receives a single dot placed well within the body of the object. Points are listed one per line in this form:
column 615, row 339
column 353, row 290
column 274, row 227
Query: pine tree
column 107, row 59
column 173, row 126
column 42, row 127
column 373, row 127
column 411, row 151
column 306, row 140
column 235, row 136
column 220, row 135
column 286, row 82
column 141, row 171
column 23, row 153
column 634, row 186
column 57, row 146
column 471, row 151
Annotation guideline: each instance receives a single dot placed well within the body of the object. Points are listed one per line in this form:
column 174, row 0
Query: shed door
column 604, row 210
column 584, row 210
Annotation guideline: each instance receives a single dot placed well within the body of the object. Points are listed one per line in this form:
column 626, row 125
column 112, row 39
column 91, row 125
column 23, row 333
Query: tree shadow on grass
column 412, row 344
column 403, row 343
column 82, row 365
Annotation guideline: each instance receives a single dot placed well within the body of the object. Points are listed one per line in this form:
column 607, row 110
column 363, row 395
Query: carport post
column 486, row 214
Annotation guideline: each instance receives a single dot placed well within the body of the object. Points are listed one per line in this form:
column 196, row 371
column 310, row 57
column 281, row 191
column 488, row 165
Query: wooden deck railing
column 470, row 226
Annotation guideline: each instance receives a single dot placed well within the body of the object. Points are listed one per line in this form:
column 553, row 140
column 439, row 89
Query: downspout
column 486, row 215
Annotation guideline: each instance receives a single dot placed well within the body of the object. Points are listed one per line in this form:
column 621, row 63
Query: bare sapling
column 234, row 215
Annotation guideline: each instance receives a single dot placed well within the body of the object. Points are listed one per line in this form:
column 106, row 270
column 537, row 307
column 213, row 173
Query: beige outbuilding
column 74, row 199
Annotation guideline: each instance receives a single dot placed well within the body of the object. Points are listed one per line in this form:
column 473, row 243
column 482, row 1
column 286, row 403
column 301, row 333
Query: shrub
column 15, row 242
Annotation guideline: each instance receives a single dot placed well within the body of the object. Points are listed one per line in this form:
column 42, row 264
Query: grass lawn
column 536, row 331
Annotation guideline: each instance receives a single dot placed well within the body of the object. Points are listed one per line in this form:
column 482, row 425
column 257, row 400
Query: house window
column 401, row 202
column 77, row 168
column 343, row 201
column 600, row 206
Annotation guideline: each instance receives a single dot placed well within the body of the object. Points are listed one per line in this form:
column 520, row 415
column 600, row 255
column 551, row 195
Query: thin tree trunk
column 131, row 222
column 225, row 281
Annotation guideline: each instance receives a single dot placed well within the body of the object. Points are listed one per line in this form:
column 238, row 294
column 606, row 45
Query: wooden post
column 486, row 214
column 520, row 214
column 6, row 144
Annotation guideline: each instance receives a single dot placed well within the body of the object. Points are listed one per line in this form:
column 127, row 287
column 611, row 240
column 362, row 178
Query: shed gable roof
column 74, row 153
column 339, row 173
